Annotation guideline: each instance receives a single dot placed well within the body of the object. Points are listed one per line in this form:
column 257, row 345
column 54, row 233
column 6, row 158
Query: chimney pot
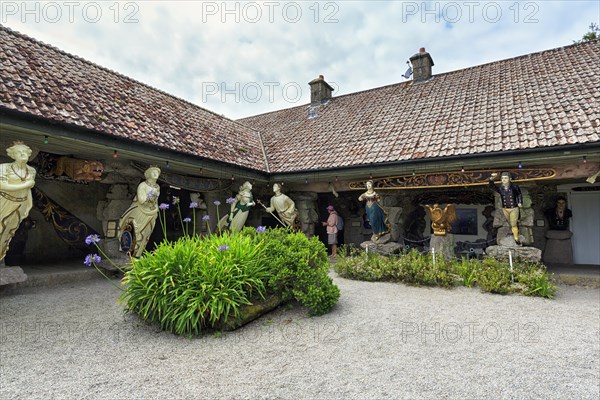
column 320, row 90
column 421, row 65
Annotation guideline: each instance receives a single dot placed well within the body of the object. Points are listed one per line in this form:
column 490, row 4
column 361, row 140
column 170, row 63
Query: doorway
column 585, row 203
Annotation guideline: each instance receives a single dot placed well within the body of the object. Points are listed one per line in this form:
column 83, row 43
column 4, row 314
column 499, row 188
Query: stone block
column 531, row 254
column 499, row 218
column 509, row 240
column 394, row 214
column 526, row 217
column 384, row 249
column 503, row 232
column 11, row 275
column 443, row 245
column 382, row 239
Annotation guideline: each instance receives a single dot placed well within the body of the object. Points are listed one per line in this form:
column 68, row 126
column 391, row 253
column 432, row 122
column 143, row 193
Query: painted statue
column 285, row 207
column 441, row 219
column 79, row 170
column 375, row 212
column 240, row 208
column 16, row 180
column 137, row 222
column 558, row 217
column 512, row 200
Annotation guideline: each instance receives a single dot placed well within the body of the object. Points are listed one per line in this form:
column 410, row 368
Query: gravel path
column 381, row 341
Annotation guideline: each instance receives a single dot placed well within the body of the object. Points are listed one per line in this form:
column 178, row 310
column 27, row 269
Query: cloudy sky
column 241, row 58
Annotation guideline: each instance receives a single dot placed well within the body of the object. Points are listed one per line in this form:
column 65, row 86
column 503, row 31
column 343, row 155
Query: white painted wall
column 585, row 223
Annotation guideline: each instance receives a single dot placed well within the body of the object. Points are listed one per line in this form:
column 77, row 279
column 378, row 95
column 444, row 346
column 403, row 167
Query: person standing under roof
column 332, row 230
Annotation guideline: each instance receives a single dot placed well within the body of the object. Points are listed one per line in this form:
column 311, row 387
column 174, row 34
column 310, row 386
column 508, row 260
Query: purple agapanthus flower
column 193, row 204
column 217, row 203
column 92, row 259
column 223, row 247
column 92, row 239
column 151, row 195
column 163, row 206
column 205, row 218
column 261, row 229
column 187, row 220
column 230, row 200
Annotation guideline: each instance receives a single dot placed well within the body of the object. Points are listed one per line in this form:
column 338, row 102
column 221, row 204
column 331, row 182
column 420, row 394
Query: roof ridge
column 434, row 76
column 113, row 72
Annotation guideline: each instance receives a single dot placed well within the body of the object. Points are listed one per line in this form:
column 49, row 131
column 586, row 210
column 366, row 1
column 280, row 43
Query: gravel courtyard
column 382, row 341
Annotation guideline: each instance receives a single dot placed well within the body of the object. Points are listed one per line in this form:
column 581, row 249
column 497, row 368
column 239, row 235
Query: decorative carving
column 137, row 222
column 285, row 207
column 378, row 218
column 449, row 179
column 69, row 228
column 240, row 207
column 441, row 219
column 68, row 169
column 79, row 170
column 16, row 181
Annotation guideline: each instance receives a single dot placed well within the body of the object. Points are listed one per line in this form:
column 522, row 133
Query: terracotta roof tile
column 543, row 99
column 41, row 80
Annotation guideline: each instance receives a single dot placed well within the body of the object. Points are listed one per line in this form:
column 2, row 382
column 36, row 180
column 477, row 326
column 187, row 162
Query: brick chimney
column 421, row 65
column 319, row 90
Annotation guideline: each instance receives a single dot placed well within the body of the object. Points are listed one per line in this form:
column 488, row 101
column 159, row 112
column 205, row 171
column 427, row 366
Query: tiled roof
column 39, row 79
column 540, row 100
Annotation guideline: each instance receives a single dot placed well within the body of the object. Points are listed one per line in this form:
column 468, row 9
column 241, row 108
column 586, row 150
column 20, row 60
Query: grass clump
column 202, row 282
column 412, row 267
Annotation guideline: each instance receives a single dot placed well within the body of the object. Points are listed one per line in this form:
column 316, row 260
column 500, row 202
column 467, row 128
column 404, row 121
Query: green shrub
column 494, row 276
column 353, row 263
column 419, row 269
column 414, row 268
column 195, row 283
column 535, row 279
column 467, row 270
column 299, row 270
column 411, row 267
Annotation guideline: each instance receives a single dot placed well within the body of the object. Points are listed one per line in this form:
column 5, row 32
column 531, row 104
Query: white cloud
column 187, row 48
